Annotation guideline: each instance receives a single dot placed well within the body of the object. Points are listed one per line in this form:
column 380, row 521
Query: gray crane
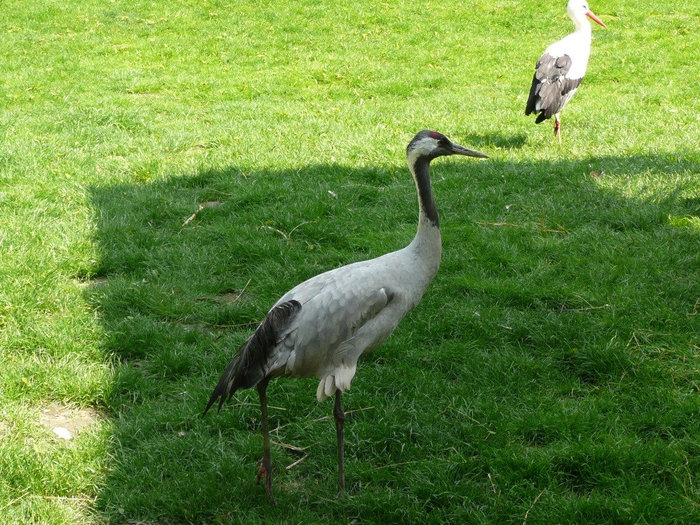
column 322, row 326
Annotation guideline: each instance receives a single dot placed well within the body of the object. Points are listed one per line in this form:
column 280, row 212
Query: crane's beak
column 597, row 20
column 461, row 150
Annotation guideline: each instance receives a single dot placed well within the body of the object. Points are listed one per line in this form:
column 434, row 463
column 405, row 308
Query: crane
column 560, row 69
column 322, row 326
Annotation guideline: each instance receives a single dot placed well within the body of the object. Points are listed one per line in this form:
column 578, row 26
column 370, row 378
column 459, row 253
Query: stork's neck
column 427, row 239
column 581, row 23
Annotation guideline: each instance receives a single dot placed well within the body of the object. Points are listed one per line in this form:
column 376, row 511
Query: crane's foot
column 261, row 471
column 557, row 129
column 265, row 471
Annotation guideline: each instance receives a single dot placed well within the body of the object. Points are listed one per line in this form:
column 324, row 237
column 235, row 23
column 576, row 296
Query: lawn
column 169, row 169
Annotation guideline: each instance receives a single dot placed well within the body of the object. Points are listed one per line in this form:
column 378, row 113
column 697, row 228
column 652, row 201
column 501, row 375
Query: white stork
column 560, row 69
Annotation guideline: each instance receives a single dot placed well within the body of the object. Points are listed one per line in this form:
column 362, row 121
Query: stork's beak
column 461, row 150
column 597, row 20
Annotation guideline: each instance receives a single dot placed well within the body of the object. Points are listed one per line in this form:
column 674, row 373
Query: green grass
column 167, row 170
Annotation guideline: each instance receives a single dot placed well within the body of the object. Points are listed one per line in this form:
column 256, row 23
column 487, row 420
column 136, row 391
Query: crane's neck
column 426, row 204
column 427, row 241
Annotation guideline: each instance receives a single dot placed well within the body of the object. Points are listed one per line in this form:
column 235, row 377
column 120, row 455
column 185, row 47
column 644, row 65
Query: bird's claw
column 262, row 471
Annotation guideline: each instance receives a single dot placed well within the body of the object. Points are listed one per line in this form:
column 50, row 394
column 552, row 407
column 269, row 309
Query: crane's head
column 431, row 144
column 577, row 9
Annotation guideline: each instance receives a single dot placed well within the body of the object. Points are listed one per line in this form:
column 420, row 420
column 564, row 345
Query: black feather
column 550, row 86
column 532, row 97
column 247, row 367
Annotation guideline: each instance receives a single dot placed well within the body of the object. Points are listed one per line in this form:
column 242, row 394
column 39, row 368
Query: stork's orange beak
column 592, row 16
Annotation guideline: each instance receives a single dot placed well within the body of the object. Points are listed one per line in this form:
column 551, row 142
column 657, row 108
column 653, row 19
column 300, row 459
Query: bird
column 561, row 68
column 322, row 326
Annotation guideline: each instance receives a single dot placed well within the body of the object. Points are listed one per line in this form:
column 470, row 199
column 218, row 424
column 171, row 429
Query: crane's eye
column 442, row 140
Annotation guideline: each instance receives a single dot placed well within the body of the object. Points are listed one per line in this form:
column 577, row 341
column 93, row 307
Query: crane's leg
column 266, row 464
column 339, row 420
column 557, row 127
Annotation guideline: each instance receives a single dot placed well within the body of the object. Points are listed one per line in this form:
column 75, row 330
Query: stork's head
column 431, row 144
column 578, row 9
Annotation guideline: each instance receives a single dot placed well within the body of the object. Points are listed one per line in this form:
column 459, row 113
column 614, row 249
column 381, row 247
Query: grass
column 168, row 170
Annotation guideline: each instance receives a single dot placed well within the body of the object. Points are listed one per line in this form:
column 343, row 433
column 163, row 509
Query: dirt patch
column 95, row 281
column 5, row 428
column 72, row 419
column 228, row 297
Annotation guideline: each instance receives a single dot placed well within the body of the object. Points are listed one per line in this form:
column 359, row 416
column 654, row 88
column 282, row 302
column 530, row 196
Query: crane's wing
column 366, row 328
column 551, row 88
column 344, row 312
column 247, row 367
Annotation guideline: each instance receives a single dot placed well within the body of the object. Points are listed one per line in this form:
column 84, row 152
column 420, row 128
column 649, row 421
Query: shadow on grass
column 190, row 264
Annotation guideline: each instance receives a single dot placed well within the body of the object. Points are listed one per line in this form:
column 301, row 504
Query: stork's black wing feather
column 247, row 367
column 532, row 97
column 550, row 86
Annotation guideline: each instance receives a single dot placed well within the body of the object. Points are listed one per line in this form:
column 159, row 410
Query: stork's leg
column 557, row 127
column 339, row 420
column 266, row 465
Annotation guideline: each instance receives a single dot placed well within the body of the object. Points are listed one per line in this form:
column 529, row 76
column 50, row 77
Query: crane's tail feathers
column 340, row 379
column 247, row 367
column 225, row 389
column 541, row 118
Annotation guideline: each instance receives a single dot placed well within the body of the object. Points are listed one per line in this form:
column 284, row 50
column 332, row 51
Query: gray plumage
column 322, row 326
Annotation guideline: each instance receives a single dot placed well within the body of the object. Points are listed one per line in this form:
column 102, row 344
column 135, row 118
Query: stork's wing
column 551, row 88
